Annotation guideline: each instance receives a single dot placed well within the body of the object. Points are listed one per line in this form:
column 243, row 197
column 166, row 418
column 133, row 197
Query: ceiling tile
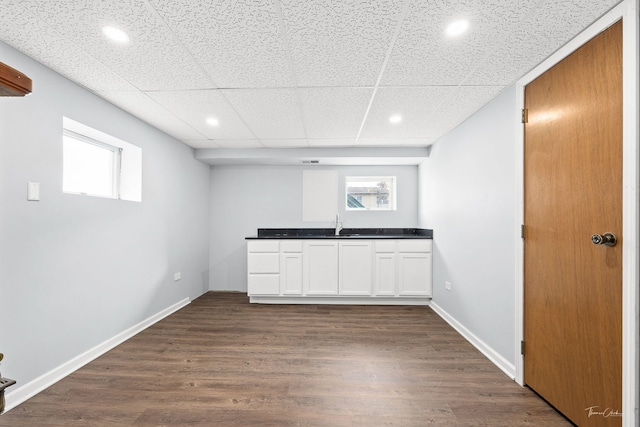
column 336, row 142
column 269, row 113
column 424, row 55
column 415, row 105
column 239, row 143
column 145, row 108
column 238, row 43
column 296, row 73
column 201, row 143
column 461, row 103
column 37, row 39
column 395, row 142
column 339, row 43
column 334, row 112
column 194, row 107
column 285, row 143
column 149, row 61
column 545, row 29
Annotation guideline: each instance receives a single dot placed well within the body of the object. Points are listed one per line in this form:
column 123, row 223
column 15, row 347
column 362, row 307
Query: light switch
column 33, row 191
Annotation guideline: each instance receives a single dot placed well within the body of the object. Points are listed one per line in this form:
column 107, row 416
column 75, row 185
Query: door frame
column 628, row 11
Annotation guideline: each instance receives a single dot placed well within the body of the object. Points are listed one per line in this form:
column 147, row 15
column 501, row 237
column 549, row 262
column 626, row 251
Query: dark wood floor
column 224, row 362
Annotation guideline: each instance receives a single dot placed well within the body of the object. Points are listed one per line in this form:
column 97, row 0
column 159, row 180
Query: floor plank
column 221, row 361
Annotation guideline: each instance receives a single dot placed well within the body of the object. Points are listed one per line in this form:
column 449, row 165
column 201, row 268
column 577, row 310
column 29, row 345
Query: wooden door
column 573, row 189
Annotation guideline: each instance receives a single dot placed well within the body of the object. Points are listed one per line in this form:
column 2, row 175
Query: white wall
column 467, row 193
column 245, row 198
column 75, row 271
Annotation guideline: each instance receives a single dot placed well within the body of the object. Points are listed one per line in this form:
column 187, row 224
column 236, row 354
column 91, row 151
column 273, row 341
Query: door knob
column 607, row 239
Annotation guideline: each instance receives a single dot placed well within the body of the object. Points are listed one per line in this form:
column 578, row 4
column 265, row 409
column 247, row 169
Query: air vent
column 310, row 162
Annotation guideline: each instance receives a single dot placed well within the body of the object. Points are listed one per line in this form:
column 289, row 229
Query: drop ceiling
column 296, row 73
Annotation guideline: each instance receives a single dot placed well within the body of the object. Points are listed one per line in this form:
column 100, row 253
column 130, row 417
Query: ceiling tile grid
column 339, row 43
column 238, row 43
column 292, row 73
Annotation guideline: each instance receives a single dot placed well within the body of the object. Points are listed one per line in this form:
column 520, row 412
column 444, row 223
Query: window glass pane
column 87, row 168
column 370, row 193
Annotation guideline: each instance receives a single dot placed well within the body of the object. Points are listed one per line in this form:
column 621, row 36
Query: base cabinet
column 263, row 267
column 414, row 274
column 384, row 271
column 320, row 267
column 355, row 267
column 291, row 273
column 385, row 274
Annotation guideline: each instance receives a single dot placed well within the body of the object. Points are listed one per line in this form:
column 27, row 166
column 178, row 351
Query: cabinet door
column 291, row 273
column 415, row 274
column 385, row 274
column 355, row 268
column 320, row 263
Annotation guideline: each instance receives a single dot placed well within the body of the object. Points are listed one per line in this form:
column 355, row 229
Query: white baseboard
column 502, row 363
column 339, row 300
column 25, row 392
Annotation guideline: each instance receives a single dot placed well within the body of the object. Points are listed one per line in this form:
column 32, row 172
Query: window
column 97, row 164
column 371, row 193
column 91, row 167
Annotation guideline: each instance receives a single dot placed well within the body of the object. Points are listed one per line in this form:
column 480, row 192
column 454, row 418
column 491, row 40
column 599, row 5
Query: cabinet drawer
column 263, row 263
column 417, row 245
column 264, row 284
column 263, row 246
column 291, row 246
column 385, row 245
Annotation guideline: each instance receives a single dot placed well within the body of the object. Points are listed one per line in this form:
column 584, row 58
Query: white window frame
column 127, row 176
column 392, row 206
column 116, row 164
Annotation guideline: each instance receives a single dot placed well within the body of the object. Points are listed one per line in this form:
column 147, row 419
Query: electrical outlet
column 447, row 286
column 177, row 276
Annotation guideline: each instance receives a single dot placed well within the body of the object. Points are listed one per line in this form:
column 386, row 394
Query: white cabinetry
column 263, row 266
column 362, row 271
column 414, row 267
column 291, row 267
column 355, row 267
column 320, row 267
column 386, row 270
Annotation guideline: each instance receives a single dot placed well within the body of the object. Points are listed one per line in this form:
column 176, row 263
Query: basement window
column 370, row 193
column 99, row 165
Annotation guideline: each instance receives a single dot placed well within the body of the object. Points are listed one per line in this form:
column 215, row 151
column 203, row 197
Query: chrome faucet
column 338, row 224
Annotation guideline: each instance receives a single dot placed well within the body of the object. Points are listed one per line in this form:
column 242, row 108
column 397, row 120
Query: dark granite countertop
column 345, row 233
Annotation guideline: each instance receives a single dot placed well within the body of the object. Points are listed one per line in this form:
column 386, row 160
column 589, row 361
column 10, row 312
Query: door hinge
column 525, row 115
column 522, row 347
column 522, row 231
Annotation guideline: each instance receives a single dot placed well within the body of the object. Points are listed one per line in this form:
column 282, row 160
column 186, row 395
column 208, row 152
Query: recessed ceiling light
column 212, row 121
column 115, row 34
column 395, row 119
column 457, row 27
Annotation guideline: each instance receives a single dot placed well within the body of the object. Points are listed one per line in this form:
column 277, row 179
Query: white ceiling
column 296, row 73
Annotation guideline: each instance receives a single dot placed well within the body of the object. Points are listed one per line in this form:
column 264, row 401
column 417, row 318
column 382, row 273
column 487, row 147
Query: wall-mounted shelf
column 13, row 82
